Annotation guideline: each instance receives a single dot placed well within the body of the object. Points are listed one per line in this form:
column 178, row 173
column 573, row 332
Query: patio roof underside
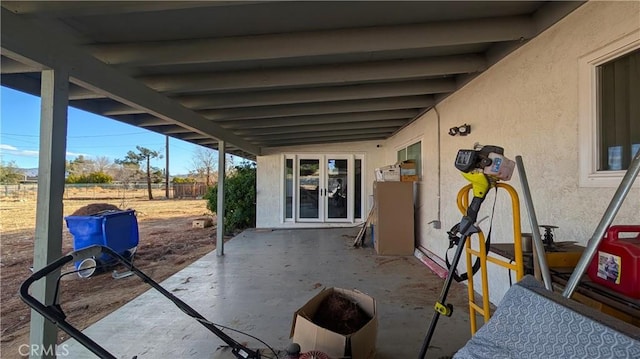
column 259, row 74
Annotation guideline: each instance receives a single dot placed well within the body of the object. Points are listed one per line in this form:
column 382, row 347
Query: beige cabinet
column 393, row 218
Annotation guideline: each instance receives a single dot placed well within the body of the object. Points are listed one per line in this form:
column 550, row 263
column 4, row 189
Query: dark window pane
column 618, row 111
column 357, row 205
column 288, row 189
column 402, row 154
column 414, row 152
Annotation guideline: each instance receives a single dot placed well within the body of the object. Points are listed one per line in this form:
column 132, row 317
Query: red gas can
column 616, row 264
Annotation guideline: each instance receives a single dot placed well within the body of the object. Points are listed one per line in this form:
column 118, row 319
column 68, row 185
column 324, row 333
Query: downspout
column 436, row 223
column 431, row 260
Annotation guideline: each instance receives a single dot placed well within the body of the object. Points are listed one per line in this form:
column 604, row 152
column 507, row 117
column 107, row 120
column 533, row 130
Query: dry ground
column 168, row 243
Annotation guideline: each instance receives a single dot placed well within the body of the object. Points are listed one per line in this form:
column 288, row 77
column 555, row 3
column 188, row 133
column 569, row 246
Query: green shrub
column 99, row 177
column 239, row 198
column 180, row 180
column 93, row 177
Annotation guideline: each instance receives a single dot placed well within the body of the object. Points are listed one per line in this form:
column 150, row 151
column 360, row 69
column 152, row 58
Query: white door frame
column 323, row 188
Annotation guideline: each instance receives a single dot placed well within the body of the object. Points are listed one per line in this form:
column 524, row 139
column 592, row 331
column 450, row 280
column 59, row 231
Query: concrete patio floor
column 263, row 278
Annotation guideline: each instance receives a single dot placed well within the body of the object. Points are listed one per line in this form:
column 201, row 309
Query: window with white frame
column 609, row 112
column 412, row 152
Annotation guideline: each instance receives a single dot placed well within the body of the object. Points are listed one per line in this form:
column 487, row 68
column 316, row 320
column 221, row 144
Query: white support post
column 49, row 212
column 220, row 209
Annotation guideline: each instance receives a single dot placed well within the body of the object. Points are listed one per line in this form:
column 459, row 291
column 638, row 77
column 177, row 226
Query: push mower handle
column 53, row 312
column 79, row 255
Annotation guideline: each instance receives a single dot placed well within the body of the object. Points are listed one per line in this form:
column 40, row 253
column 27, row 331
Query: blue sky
column 87, row 134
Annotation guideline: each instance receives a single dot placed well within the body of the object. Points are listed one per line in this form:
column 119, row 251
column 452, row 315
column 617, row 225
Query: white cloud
column 11, row 150
column 7, row 147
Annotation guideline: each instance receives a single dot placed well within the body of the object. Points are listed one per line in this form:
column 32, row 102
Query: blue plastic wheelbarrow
column 117, row 230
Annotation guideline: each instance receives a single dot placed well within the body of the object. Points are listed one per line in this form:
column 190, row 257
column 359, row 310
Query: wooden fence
column 189, row 190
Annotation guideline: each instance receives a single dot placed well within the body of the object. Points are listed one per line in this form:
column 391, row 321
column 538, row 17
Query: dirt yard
column 168, row 243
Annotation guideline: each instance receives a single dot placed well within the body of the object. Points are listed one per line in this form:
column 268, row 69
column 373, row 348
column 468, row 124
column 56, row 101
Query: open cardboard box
column 310, row 336
column 388, row 174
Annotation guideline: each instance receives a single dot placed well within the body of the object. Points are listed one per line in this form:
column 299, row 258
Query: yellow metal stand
column 517, row 266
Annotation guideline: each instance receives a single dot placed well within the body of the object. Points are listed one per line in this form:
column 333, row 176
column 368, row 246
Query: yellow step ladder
column 517, row 265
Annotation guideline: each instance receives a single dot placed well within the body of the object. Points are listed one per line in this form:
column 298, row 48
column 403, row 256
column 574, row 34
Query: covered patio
column 259, row 284
column 287, row 83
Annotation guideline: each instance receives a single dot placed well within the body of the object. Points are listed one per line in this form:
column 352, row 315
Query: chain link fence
column 94, row 191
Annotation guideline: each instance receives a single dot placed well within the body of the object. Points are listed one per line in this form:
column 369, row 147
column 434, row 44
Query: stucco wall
column 528, row 104
column 270, row 178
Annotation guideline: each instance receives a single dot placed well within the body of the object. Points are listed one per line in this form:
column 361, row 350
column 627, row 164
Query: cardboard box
column 408, row 171
column 391, row 175
column 388, row 174
column 394, row 218
column 410, row 178
column 404, row 171
column 310, row 336
column 407, row 168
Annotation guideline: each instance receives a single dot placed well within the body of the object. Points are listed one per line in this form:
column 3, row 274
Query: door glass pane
column 357, row 204
column 288, row 189
column 309, row 178
column 337, row 188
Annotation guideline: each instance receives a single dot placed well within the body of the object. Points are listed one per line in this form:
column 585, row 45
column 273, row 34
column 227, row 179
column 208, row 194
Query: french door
column 325, row 188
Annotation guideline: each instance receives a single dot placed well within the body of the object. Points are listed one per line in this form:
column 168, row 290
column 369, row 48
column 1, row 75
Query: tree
column 10, row 173
column 204, row 162
column 157, row 175
column 144, row 155
column 80, row 166
column 206, row 165
column 127, row 172
column 103, row 164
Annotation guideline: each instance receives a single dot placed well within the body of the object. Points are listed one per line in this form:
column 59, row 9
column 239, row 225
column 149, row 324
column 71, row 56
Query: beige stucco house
column 539, row 102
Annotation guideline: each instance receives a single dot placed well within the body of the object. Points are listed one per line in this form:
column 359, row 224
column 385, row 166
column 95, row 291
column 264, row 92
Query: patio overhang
column 210, row 71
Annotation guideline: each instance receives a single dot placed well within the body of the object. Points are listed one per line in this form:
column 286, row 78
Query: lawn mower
column 54, row 312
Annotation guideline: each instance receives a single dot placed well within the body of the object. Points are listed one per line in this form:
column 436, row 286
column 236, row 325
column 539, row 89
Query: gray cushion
column 532, row 322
